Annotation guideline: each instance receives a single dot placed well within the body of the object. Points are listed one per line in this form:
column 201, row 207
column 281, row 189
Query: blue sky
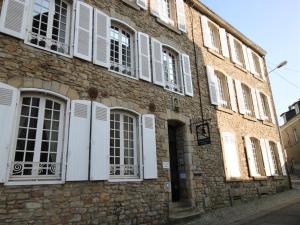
column 275, row 26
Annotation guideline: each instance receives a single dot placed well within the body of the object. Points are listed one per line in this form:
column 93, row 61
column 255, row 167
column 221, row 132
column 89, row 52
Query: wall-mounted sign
column 166, row 165
column 203, row 134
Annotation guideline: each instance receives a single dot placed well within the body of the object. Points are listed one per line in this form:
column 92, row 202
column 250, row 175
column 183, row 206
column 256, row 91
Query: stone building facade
column 126, row 157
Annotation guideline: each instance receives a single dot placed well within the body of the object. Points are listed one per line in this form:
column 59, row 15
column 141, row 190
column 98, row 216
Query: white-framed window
column 122, row 50
column 257, row 156
column 265, row 107
column 256, row 64
column 49, row 25
column 172, row 73
column 215, row 37
column 38, row 150
column 295, row 135
column 167, row 12
column 223, row 90
column 249, row 107
column 275, row 157
column 124, row 145
column 239, row 52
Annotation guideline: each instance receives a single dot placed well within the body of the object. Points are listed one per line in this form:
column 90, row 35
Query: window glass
column 239, row 53
column 248, row 100
column 256, row 64
column 215, row 37
column 223, row 90
column 257, row 154
column 265, row 106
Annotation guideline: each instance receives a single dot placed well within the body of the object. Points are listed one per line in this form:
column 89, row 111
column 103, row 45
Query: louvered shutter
column 240, row 96
column 187, row 75
column 247, row 65
column 205, row 32
column 271, row 110
column 157, row 62
column 144, row 57
column 250, row 59
column 281, row 158
column 232, row 49
column 79, row 135
column 255, row 104
column 9, row 98
column 213, row 86
column 262, row 67
column 155, row 7
column 143, row 4
column 83, row 31
column 265, row 157
column 250, row 157
column 260, row 106
column 271, row 162
column 149, row 147
column 101, row 39
column 181, row 15
column 100, row 142
column 224, row 43
column 232, row 93
column 13, row 17
column 231, row 156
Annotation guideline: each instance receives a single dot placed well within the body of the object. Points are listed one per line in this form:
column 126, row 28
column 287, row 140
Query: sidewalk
column 245, row 213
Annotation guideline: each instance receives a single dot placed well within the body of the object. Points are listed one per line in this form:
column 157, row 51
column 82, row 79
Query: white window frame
column 222, row 83
column 242, row 64
column 138, row 142
column 166, row 11
column 255, row 157
column 70, row 27
column 249, row 109
column 265, row 107
column 134, row 52
column 65, row 130
column 212, row 38
column 295, row 135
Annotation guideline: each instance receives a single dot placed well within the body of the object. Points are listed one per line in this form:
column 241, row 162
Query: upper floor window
column 50, row 25
column 256, row 63
column 38, row 150
column 249, row 108
column 173, row 80
column 223, row 90
column 265, row 107
column 295, row 135
column 124, row 145
column 167, row 12
column 239, row 53
column 258, row 158
column 215, row 37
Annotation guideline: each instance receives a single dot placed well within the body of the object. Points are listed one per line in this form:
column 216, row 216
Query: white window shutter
column 232, row 49
column 101, row 39
column 83, row 31
column 232, row 163
column 240, row 96
column 265, row 157
column 187, row 75
column 143, row 4
column 247, row 65
column 281, row 158
column 224, row 43
column 255, row 103
column 205, row 32
column 232, row 94
column 271, row 163
column 9, row 98
column 262, row 68
column 149, row 147
column 144, row 57
column 181, row 15
column 213, row 86
column 13, row 17
column 250, row 157
column 271, row 110
column 79, row 135
column 157, row 63
column 260, row 106
column 100, row 142
column 155, row 7
column 250, row 59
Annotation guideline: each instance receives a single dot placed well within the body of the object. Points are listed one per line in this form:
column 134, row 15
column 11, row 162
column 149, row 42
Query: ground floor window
column 258, row 158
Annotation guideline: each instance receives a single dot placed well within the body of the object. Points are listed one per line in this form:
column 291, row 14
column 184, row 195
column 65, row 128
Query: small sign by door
column 203, row 134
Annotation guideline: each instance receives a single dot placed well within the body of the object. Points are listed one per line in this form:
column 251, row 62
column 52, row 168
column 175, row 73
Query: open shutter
column 232, row 49
column 271, row 110
column 265, row 157
column 181, row 15
column 224, row 43
column 144, row 57
column 231, row 93
column 9, row 97
column 240, row 96
column 100, row 142
column 205, row 32
column 79, row 135
column 213, row 86
column 231, row 156
column 271, row 162
column 260, row 106
column 262, row 68
column 244, row 48
column 281, row 158
column 13, row 17
column 250, row 157
column 149, row 147
column 157, row 62
column 101, row 39
column 187, row 75
column 155, row 7
column 143, row 4
column 255, row 104
column 250, row 59
column 83, row 31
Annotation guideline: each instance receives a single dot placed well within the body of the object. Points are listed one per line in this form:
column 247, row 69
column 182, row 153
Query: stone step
column 180, row 214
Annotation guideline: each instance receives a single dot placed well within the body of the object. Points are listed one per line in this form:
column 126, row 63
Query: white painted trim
column 38, row 182
column 44, row 91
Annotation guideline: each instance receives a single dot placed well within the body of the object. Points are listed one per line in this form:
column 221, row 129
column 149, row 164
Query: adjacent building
column 104, row 106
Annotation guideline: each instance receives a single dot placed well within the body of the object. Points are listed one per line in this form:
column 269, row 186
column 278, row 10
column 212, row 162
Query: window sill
column 279, row 177
column 120, row 180
column 268, row 123
column 168, row 26
column 175, row 92
column 260, row 178
column 256, row 76
column 132, row 4
column 215, row 53
column 121, row 74
column 251, row 118
column 233, row 179
column 222, row 109
column 240, row 68
column 37, row 182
